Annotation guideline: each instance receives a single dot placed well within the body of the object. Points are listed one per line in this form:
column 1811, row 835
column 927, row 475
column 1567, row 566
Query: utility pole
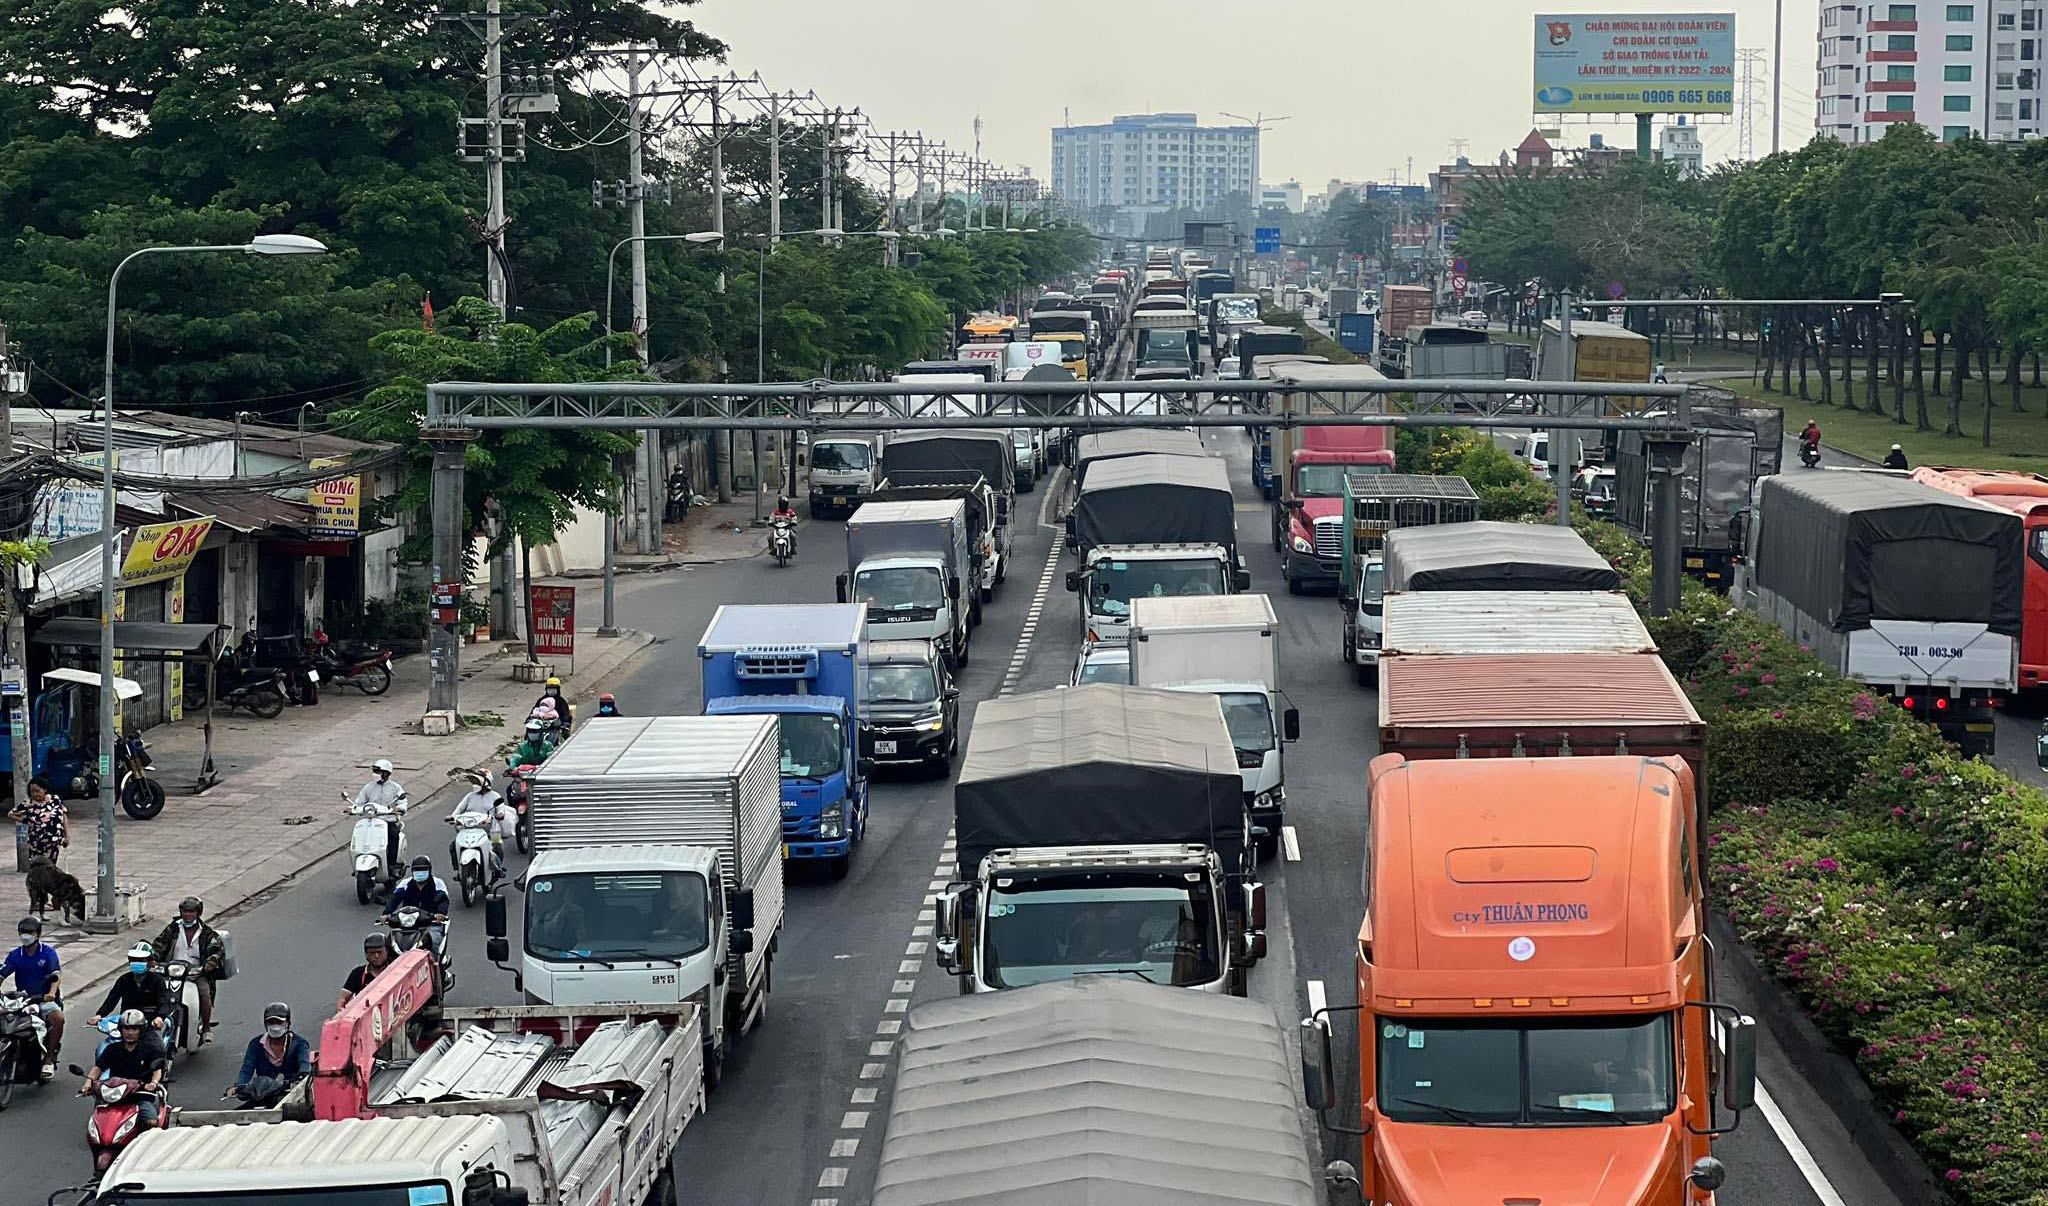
column 494, row 169
column 647, row 460
column 1777, row 72
column 1560, row 455
column 774, row 168
column 829, row 136
column 14, row 654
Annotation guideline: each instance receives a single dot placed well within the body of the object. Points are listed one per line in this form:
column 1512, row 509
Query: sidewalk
column 276, row 809
column 711, row 533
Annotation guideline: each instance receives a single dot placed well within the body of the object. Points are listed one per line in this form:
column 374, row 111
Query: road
column 799, row 1118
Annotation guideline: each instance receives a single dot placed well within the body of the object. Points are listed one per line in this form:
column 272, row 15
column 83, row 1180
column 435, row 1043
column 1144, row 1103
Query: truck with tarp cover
column 1156, row 499
column 1101, row 829
column 1896, row 584
column 1101, row 1089
column 988, row 453
column 1489, row 555
column 1732, row 448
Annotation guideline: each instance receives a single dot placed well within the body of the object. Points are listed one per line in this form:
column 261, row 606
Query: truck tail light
column 1941, row 703
column 1908, row 701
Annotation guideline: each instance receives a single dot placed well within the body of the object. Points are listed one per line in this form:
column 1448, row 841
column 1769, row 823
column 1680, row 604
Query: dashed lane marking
column 1290, row 844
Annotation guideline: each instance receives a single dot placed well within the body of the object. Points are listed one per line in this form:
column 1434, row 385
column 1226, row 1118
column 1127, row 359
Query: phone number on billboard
column 1687, row 96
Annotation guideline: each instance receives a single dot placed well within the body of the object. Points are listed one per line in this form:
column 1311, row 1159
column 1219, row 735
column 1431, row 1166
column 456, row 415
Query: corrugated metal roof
column 658, row 747
column 760, row 626
column 227, row 1159
column 1094, row 1090
column 245, row 512
column 1495, row 622
column 1532, row 690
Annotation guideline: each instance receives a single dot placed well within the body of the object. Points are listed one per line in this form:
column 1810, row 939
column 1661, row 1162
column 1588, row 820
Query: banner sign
column 164, row 550
column 554, row 620
column 337, row 503
column 1655, row 63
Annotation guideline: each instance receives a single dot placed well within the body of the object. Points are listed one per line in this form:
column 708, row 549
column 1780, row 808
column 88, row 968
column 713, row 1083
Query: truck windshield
column 837, row 457
column 418, row 1193
column 1158, row 346
column 1327, row 481
column 617, row 915
column 900, row 588
column 1375, row 582
column 1576, row 1072
column 900, row 685
column 1113, row 584
column 1249, row 719
column 811, row 744
column 1157, row 925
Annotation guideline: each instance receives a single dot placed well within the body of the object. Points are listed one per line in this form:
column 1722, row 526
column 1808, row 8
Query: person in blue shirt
column 276, row 1060
column 33, row 964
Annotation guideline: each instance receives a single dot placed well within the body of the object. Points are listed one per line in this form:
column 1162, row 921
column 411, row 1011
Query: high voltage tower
column 1749, row 94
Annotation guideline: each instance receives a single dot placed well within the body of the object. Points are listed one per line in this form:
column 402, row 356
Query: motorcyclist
column 385, row 792
column 482, row 797
column 378, row 953
column 785, row 514
column 423, row 890
column 275, row 1060
column 1896, row 458
column 141, row 989
column 534, row 748
column 553, row 691
column 140, row 1057
column 1659, row 378
column 1810, row 438
column 34, row 964
column 198, row 946
column 607, row 705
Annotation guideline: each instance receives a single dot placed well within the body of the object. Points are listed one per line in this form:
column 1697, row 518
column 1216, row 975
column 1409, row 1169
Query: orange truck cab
column 1536, row 1017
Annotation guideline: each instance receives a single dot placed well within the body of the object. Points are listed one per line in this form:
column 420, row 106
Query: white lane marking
column 1781, row 1126
column 1317, row 1000
column 872, row 1071
column 853, row 1120
column 833, row 1177
column 1290, row 844
column 864, row 1097
column 844, row 1148
column 881, row 1047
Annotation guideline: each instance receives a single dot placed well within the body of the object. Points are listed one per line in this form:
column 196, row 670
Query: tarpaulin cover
column 1732, row 446
column 1133, row 441
column 1099, row 763
column 1094, row 1090
column 1495, row 556
column 1156, row 500
column 1847, row 547
column 985, row 452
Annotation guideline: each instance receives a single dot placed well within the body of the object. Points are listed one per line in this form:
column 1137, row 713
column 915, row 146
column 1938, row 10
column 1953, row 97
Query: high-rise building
column 1154, row 162
column 1969, row 68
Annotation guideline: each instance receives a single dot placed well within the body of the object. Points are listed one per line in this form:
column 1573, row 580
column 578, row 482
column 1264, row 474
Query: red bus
column 2026, row 494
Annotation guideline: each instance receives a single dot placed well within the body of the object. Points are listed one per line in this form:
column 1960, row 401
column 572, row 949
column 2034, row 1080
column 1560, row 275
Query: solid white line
column 1290, row 844
column 1794, row 1146
column 1317, row 1001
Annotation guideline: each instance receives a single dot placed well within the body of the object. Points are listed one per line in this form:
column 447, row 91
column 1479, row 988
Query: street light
column 611, row 264
column 110, row 540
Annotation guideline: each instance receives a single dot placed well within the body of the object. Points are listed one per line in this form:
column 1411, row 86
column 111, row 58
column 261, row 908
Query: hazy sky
column 1366, row 84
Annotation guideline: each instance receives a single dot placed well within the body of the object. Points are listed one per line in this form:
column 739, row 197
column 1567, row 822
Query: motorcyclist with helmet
column 785, row 515
column 423, row 890
column 379, row 952
column 534, row 748
column 197, row 945
column 275, row 1060
column 608, row 705
column 138, row 1056
column 141, row 990
column 553, row 691
column 385, row 792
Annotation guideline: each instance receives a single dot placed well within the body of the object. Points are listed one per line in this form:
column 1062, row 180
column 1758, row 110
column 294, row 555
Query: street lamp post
column 103, row 918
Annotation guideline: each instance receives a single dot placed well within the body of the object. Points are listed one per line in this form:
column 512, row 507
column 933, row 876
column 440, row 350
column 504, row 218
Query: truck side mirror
column 946, row 929
column 1290, row 724
column 953, row 587
column 839, row 585
column 1074, row 584
column 950, row 694
column 741, row 903
column 1738, row 1076
column 1318, row 1080
column 1255, row 906
column 1241, row 579
column 494, row 916
column 864, row 767
column 740, row 942
column 497, row 950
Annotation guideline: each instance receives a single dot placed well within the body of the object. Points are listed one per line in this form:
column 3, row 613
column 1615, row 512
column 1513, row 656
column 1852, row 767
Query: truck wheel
column 1269, row 845
column 1294, row 586
column 988, row 595
column 817, row 512
column 1368, row 676
column 663, row 1191
column 714, row 1067
column 841, row 865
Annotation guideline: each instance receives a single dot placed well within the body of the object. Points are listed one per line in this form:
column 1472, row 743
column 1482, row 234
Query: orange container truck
column 1536, row 1013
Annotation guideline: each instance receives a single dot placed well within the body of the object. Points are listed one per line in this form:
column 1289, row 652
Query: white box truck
column 1227, row 646
column 657, row 870
column 910, row 563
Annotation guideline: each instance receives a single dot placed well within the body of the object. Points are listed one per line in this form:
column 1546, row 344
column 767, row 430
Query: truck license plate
column 1978, row 728
column 838, row 500
column 1695, row 563
column 885, row 747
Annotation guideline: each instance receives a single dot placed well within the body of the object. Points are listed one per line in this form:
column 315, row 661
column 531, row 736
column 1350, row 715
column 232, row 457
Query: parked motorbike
column 782, row 540
column 22, row 1037
column 260, row 692
column 288, row 656
column 518, row 788
column 141, row 796
column 364, row 667
column 116, row 1113
column 411, row 927
column 369, row 845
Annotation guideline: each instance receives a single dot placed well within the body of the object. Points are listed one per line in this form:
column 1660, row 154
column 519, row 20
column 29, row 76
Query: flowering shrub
column 1898, row 890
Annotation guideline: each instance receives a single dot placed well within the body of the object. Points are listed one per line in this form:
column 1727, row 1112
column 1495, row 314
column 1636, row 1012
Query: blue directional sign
column 1265, row 239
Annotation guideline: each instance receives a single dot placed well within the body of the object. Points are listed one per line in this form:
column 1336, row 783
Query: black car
column 910, row 709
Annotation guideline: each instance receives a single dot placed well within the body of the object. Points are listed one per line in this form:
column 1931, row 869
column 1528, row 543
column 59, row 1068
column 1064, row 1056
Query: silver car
column 1103, row 663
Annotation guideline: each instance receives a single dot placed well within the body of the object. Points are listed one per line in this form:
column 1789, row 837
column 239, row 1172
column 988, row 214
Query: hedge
column 1895, row 887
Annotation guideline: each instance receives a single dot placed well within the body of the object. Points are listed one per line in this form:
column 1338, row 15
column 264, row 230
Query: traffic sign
column 1459, row 267
column 1458, row 286
column 1265, row 239
column 1615, row 289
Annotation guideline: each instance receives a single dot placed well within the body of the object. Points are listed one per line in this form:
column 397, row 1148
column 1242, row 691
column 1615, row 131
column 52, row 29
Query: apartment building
column 1956, row 68
column 1155, row 161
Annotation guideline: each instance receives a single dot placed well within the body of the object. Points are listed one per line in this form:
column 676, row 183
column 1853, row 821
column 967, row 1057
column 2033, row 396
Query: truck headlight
column 1368, row 638
column 1302, row 544
column 832, row 822
column 1272, row 797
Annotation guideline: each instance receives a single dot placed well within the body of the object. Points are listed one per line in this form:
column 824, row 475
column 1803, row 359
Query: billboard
column 164, row 550
column 337, row 502
column 1653, row 63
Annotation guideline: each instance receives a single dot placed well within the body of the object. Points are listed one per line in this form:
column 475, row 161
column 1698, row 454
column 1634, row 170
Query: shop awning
column 247, row 512
column 170, row 642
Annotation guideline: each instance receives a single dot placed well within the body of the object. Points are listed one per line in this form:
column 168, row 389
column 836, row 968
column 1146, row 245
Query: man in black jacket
column 140, row 987
column 198, row 945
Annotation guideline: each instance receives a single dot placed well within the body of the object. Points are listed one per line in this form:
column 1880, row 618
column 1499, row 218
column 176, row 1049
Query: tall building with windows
column 1961, row 68
column 1153, row 162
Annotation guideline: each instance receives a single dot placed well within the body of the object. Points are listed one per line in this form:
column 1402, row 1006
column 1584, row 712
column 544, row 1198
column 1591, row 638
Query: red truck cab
column 1308, row 521
column 2025, row 494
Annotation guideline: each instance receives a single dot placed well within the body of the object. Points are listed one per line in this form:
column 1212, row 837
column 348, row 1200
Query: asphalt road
column 799, row 1117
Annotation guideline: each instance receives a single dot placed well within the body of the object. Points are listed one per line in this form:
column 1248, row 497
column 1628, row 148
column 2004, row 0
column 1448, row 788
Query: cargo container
column 1503, row 623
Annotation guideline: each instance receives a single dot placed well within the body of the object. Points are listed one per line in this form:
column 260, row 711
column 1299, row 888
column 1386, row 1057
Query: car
column 1474, row 320
column 1229, row 372
column 1103, row 663
column 1595, row 486
column 911, row 704
column 1028, row 446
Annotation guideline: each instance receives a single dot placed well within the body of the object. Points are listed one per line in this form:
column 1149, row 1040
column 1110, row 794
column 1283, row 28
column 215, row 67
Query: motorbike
column 141, row 796
column 22, row 1037
column 369, row 845
column 476, row 867
column 364, row 667
column 116, row 1113
column 518, row 787
column 411, row 927
column 180, row 1032
column 260, row 692
column 288, row 656
column 1809, row 455
column 782, row 540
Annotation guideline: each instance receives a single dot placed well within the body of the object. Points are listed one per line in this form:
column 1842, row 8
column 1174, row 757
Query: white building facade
column 1155, row 161
column 1956, row 68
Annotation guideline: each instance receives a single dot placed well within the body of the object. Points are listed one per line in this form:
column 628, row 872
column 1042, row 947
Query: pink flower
column 1827, row 864
column 1954, row 1174
column 1768, row 678
column 1899, row 1116
column 1908, row 771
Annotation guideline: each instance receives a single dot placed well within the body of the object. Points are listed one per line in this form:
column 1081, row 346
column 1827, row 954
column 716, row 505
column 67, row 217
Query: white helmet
column 141, row 952
column 382, row 765
column 133, row 1019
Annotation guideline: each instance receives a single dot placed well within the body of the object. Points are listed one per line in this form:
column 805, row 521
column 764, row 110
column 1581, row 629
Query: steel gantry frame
column 458, row 411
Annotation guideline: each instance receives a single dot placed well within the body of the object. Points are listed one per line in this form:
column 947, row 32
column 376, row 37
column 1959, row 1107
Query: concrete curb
column 94, row 972
column 1833, row 1077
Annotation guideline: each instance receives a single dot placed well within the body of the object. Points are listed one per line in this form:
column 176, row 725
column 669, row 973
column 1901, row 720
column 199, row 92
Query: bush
column 1899, row 890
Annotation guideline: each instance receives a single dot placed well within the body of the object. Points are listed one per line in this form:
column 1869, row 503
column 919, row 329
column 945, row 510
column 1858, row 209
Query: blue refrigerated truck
column 1354, row 331
column 800, row 663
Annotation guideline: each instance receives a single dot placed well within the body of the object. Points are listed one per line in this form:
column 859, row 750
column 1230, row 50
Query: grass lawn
column 2017, row 441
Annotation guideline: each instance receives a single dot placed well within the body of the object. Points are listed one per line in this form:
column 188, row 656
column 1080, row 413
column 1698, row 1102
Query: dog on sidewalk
column 50, row 885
